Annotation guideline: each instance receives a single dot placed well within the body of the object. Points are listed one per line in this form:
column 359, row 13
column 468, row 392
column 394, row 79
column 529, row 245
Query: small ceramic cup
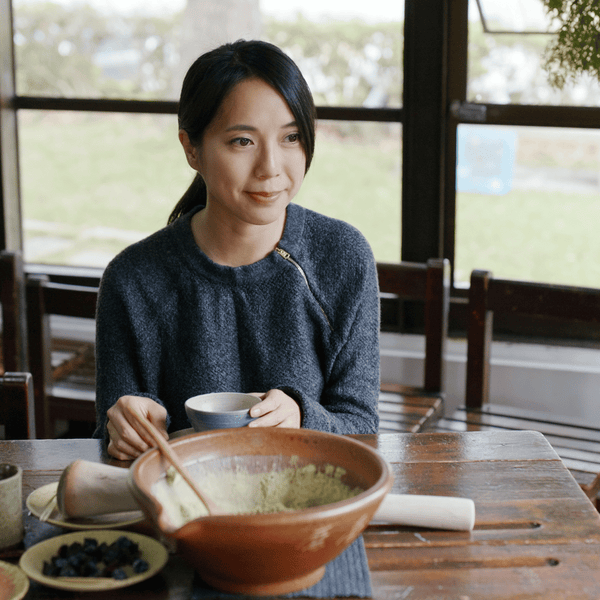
column 11, row 505
column 221, row 410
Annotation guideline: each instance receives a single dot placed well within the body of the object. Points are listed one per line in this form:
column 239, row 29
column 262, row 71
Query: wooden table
column 536, row 533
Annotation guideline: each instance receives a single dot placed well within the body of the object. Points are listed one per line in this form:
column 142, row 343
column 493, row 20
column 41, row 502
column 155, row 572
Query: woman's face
column 250, row 156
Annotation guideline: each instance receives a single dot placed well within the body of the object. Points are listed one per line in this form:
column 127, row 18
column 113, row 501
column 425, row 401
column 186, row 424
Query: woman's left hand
column 277, row 409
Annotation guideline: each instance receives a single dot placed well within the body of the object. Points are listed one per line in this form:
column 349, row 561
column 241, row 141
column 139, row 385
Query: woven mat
column 345, row 576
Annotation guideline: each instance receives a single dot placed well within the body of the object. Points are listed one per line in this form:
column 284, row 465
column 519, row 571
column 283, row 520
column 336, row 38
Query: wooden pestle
column 87, row 489
column 90, row 489
column 171, row 456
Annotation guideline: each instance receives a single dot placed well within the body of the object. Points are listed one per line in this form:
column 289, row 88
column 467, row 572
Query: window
column 94, row 181
column 432, row 138
column 527, row 196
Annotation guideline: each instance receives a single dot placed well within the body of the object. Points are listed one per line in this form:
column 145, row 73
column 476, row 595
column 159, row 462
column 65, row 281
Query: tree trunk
column 210, row 23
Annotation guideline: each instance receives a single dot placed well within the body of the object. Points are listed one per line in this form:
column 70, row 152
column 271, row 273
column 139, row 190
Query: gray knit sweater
column 172, row 324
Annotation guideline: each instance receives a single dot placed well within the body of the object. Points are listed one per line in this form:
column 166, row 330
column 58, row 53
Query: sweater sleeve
column 349, row 400
column 119, row 342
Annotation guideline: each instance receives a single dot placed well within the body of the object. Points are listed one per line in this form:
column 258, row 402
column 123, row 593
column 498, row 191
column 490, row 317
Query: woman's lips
column 263, row 196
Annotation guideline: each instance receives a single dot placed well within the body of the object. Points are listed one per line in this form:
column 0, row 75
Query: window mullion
column 11, row 237
column 424, row 102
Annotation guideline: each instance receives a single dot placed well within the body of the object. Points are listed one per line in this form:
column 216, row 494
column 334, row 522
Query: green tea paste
column 241, row 492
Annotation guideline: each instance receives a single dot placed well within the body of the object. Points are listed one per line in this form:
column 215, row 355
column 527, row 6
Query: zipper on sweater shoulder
column 287, row 256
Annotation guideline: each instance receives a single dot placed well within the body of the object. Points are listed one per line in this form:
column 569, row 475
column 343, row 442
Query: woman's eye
column 293, row 137
column 243, row 142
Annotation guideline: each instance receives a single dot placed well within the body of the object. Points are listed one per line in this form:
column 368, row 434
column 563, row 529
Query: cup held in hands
column 221, row 410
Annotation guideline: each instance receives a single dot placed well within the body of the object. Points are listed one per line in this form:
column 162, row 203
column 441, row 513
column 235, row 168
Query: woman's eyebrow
column 242, row 127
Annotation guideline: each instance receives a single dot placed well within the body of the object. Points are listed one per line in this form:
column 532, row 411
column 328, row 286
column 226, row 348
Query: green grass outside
column 82, row 172
column 123, row 171
column 551, row 237
column 360, row 184
column 98, row 182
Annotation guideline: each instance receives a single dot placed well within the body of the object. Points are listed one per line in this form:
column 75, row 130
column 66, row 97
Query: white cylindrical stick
column 438, row 512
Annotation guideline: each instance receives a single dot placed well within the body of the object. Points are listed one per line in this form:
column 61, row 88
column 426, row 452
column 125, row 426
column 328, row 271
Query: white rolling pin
column 87, row 489
column 436, row 512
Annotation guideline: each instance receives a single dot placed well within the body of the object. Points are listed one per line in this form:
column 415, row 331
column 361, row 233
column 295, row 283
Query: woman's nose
column 269, row 162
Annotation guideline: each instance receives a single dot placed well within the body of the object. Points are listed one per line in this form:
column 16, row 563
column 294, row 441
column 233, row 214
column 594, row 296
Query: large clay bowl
column 276, row 553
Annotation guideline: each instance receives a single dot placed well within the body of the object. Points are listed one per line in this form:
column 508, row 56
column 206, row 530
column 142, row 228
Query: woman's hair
column 212, row 77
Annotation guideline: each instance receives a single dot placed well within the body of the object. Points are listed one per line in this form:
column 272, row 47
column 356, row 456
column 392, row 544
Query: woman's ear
column 191, row 152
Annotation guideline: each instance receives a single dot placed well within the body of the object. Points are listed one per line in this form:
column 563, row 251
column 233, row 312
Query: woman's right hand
column 127, row 438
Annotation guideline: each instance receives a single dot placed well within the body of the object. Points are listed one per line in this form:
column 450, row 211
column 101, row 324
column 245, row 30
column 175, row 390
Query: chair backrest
column 489, row 296
column 45, row 298
column 17, row 412
column 428, row 283
column 12, row 298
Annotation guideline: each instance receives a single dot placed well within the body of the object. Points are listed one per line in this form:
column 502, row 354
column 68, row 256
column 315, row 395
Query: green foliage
column 348, row 63
column 576, row 48
column 502, row 68
column 43, row 65
column 78, row 51
column 58, row 50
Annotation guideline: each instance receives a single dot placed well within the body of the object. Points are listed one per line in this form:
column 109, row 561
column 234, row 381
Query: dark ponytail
column 212, row 76
column 194, row 196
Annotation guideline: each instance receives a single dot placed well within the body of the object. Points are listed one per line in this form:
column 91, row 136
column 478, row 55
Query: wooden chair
column 576, row 442
column 17, row 406
column 12, row 298
column 63, row 371
column 412, row 408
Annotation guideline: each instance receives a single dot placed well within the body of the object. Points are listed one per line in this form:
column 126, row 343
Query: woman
column 242, row 291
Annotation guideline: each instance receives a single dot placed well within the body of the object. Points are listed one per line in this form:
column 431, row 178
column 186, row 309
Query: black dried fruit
column 90, row 545
column 90, row 569
column 74, row 548
column 92, row 559
column 100, row 550
column 112, row 555
column 119, row 574
column 140, row 565
column 76, row 560
column 68, row 571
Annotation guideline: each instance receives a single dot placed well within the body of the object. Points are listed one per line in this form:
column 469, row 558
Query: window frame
column 434, row 104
